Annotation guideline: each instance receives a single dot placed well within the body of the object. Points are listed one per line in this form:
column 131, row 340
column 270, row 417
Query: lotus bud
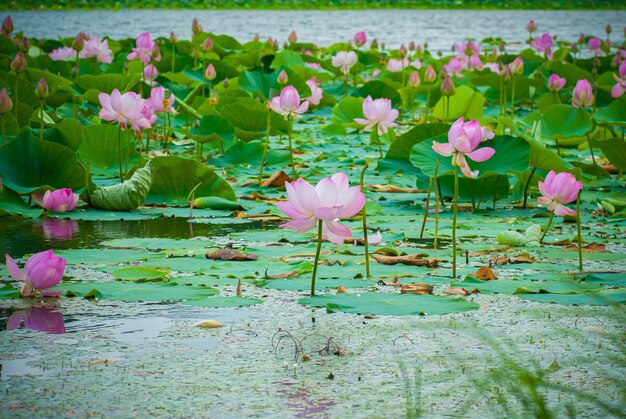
column 207, row 45
column 425, row 45
column 439, row 54
column 374, row 44
column 282, row 78
column 430, row 75
column 359, row 39
column 447, row 86
column 583, row 94
column 532, row 27
column 412, row 46
column 517, row 66
column 22, row 44
column 608, row 29
column 293, row 37
column 506, row 74
column 556, row 83
column 79, row 41
column 414, row 79
column 210, row 73
column 196, row 28
column 402, row 51
column 469, row 49
column 5, row 101
column 257, row 37
column 7, row 26
column 418, row 49
column 225, row 83
column 382, row 46
column 41, row 91
column 150, row 73
column 19, row 62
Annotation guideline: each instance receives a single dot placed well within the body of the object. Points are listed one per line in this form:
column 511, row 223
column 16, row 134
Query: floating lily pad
column 138, row 273
column 134, row 292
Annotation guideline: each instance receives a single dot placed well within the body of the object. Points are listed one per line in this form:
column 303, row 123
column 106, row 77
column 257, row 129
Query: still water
column 440, row 28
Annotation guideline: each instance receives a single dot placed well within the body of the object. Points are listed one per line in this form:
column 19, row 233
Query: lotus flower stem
column 365, row 239
column 532, row 173
column 501, row 91
column 43, row 103
column 557, row 99
column 427, row 104
column 165, row 132
column 513, row 95
column 437, row 195
column 580, row 239
column 203, row 76
column 547, row 228
column 290, row 133
column 119, row 145
column 375, row 139
column 593, row 158
column 454, row 212
column 267, row 143
column 317, row 256
column 430, row 186
column 345, row 86
column 128, row 145
column 173, row 56
column 447, row 103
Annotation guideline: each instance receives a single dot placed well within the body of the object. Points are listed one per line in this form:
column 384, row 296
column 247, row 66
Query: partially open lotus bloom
column 330, row 200
column 360, row 39
column 583, row 94
column 556, row 83
column 127, row 109
column 397, row 65
column 7, row 26
column 620, row 87
column 595, row 46
column 558, row 190
column 61, row 200
column 463, row 141
column 63, row 54
column 544, row 45
column 517, row 66
column 344, row 60
column 158, row 103
column 41, row 319
column 42, row 271
column 288, row 103
column 316, row 92
column 150, row 73
column 378, row 114
column 99, row 49
column 494, row 67
column 145, row 50
column 455, row 67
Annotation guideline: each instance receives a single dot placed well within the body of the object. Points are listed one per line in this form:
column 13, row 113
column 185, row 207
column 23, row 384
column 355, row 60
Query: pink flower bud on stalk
column 5, row 101
column 79, row 41
column 42, row 271
column 556, row 83
column 282, row 78
column 41, row 91
column 412, row 46
column 7, row 26
column 293, row 37
column 210, row 73
column 257, row 37
column 506, row 74
column 61, row 200
column 374, row 44
column 360, row 39
column 517, row 66
column 402, row 51
column 414, row 80
column 207, row 45
column 196, row 28
column 608, row 30
column 430, row 75
column 150, row 73
column 18, row 64
column 583, row 94
column 447, row 86
column 532, row 27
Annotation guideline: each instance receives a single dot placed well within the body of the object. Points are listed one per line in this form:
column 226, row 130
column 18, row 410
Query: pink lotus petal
column 335, row 232
column 442, row 148
column 481, row 154
column 12, row 268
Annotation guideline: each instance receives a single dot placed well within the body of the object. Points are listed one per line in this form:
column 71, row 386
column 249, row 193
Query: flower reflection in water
column 43, row 319
column 59, row 229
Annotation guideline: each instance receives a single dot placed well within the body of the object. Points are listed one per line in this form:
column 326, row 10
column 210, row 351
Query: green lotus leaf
column 564, row 121
column 125, row 196
column 465, row 102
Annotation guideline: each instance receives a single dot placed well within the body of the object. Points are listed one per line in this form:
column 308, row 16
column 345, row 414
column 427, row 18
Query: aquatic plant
column 42, row 271
column 61, row 200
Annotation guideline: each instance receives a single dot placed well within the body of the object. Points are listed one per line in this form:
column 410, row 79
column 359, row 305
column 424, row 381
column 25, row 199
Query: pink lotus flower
column 316, row 66
column 331, row 199
column 378, row 113
column 316, row 92
column 344, row 60
column 494, row 67
column 59, row 229
column 99, row 49
column 430, row 75
column 583, row 94
column 63, row 54
column 210, row 73
column 595, row 46
column 360, row 39
column 463, row 140
column 620, row 87
column 158, row 103
column 7, row 26
column 5, row 101
column 61, row 200
column 556, row 83
column 455, row 67
column 146, row 49
column 148, row 113
column 43, row 270
column 397, row 65
column 125, row 109
column 150, row 73
column 544, row 44
column 558, row 190
column 41, row 319
column 517, row 66
column 414, row 79
column 288, row 103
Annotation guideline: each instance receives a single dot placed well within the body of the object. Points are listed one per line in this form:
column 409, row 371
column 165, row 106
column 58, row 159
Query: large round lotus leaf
column 214, row 128
column 389, row 304
column 28, row 164
column 249, row 118
column 175, row 177
column 379, row 89
column 615, row 113
column 251, row 153
column 600, row 298
column 132, row 292
column 11, row 203
column 564, row 121
column 465, row 102
column 260, row 84
column 138, row 273
column 525, row 286
column 100, row 149
column 512, row 154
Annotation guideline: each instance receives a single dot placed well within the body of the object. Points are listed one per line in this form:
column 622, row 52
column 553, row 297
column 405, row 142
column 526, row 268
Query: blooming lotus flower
column 378, row 113
column 125, row 109
column 544, row 44
column 494, row 67
column 463, row 140
column 397, row 65
column 517, row 66
column 63, row 54
column 316, row 92
column 99, row 49
column 145, row 50
column 556, row 83
column 5, row 101
column 158, row 103
column 43, row 270
column 41, row 319
column 331, row 199
column 595, row 45
column 583, row 94
column 61, row 200
column 430, row 75
column 7, row 26
column 288, row 103
column 558, row 190
column 344, row 60
column 360, row 39
column 620, row 87
column 455, row 67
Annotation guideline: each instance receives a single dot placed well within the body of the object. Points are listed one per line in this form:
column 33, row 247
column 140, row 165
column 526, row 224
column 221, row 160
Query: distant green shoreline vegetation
column 312, row 4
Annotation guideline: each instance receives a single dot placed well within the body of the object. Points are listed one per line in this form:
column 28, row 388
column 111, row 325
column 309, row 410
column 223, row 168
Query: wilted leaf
column 230, row 254
column 417, row 288
column 485, row 273
column 411, row 260
column 457, row 291
column 277, row 179
column 589, row 248
column 125, row 196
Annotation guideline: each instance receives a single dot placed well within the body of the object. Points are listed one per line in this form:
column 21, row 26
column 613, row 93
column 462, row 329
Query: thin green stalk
column 447, row 108
column 557, row 99
column 558, row 149
column 375, row 139
column 455, row 210
column 119, row 144
column 547, row 227
column 203, row 76
column 267, row 144
column 437, row 198
column 317, row 256
column 290, row 133
column 580, row 239
column 165, row 134
column 43, row 103
column 427, row 104
column 365, row 239
column 513, row 96
column 128, row 145
column 482, row 191
column 501, row 90
column 430, row 185
column 593, row 158
column 173, row 56
column 532, row 173
column 345, row 86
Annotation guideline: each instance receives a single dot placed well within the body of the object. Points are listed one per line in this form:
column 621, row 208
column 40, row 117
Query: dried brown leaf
column 101, row 362
column 239, row 287
column 230, row 254
column 417, row 288
column 411, row 260
column 283, row 275
column 341, row 289
column 209, row 324
column 392, row 189
column 589, row 248
column 277, row 179
column 485, row 273
column 457, row 291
